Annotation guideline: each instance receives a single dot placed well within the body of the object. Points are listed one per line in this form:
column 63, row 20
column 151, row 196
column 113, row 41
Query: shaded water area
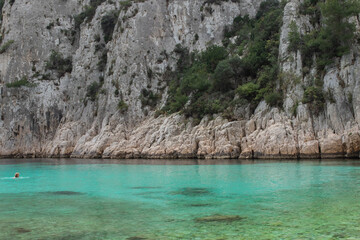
column 171, row 199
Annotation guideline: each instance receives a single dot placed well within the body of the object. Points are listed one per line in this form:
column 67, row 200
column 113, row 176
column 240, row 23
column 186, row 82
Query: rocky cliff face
column 54, row 113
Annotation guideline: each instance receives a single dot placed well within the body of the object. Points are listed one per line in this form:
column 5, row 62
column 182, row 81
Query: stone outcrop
column 54, row 117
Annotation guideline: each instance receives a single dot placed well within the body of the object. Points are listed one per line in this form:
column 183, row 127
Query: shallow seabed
column 93, row 199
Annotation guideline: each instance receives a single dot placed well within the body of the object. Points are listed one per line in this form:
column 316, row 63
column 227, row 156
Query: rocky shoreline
column 271, row 136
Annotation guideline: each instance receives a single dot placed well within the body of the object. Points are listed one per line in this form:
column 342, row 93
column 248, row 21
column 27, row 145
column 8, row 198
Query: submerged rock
column 219, row 218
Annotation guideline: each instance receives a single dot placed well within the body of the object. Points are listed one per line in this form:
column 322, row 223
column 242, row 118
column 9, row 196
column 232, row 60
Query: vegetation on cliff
column 108, row 23
column 23, row 82
column 333, row 33
column 6, row 46
column 2, row 2
column 331, row 38
column 59, row 63
column 245, row 69
column 207, row 82
column 88, row 13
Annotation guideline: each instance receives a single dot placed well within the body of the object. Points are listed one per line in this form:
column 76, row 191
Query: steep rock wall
column 56, row 118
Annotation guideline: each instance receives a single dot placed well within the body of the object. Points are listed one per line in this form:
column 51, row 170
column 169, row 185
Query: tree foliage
column 314, row 96
column 206, row 83
column 88, row 13
column 59, row 63
column 334, row 36
column 108, row 23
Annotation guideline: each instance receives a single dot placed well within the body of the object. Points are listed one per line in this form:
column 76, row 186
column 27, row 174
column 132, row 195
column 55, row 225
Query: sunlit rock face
column 55, row 115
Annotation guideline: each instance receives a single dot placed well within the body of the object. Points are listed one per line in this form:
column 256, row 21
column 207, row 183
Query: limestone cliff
column 53, row 112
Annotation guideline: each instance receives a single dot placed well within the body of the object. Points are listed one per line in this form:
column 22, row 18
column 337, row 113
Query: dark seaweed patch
column 22, row 230
column 67, row 193
column 136, row 238
column 193, row 192
column 146, row 193
column 219, row 218
column 199, row 205
column 145, row 187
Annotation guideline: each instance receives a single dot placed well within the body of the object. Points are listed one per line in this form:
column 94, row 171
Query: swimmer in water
column 17, row 175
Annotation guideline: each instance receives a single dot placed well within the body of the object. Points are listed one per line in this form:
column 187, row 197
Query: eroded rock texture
column 55, row 116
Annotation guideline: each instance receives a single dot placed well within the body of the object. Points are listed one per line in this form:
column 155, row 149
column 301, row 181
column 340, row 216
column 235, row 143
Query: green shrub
column 314, row 96
column 125, row 4
column 204, row 105
column 122, row 106
column 178, row 102
column 335, row 36
column 148, row 98
column 237, row 67
column 309, row 7
column 108, row 23
column 217, row 2
column 262, row 93
column 263, row 43
column 23, row 82
column 274, row 99
column 329, row 95
column 196, row 79
column 268, row 75
column 6, row 46
column 92, row 91
column 96, row 3
column 59, row 63
column 184, row 60
column 196, row 38
column 294, row 108
column 266, row 7
column 204, row 83
column 223, row 76
column 88, row 13
column 248, row 91
column 338, row 32
column 158, row 113
column 294, row 38
column 102, row 61
column 212, row 56
column 2, row 2
column 309, row 47
column 350, row 98
column 241, row 27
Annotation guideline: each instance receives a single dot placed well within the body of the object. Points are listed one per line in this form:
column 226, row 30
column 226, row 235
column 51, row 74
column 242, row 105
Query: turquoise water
column 91, row 199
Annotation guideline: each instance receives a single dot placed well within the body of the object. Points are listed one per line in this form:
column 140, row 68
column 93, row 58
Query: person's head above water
column 17, row 175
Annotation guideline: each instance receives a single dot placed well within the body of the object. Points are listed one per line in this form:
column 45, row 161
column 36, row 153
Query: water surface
column 147, row 199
